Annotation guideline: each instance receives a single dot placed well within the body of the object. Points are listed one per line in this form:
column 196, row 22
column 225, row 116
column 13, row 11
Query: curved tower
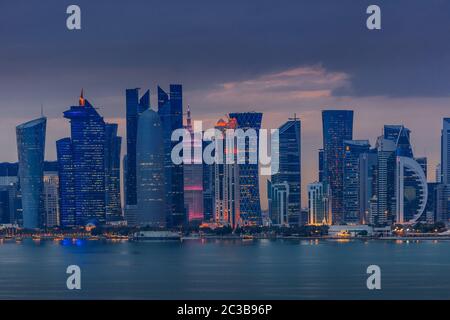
column 31, row 149
column 150, row 171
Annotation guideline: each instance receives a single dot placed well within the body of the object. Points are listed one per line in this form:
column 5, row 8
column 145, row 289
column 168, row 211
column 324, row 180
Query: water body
column 221, row 269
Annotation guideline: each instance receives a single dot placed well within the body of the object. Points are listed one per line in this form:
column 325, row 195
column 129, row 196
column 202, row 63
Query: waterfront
column 226, row 269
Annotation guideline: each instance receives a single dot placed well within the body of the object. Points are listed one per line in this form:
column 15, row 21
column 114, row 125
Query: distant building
column 318, row 204
column 170, row 111
column 83, row 156
column 208, row 189
column 134, row 107
column 31, row 150
column 113, row 145
column 337, row 127
column 352, row 179
column 151, row 196
column 287, row 181
column 445, row 151
column 438, row 173
column 250, row 207
column 411, row 190
column 51, row 199
column 368, row 173
column 193, row 177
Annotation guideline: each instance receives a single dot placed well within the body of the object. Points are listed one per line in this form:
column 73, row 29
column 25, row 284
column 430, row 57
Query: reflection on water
column 225, row 269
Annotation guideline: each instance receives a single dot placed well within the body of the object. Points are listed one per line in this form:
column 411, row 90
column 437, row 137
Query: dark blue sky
column 278, row 57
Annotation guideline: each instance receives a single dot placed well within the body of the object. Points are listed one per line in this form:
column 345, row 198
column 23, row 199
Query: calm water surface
column 226, row 269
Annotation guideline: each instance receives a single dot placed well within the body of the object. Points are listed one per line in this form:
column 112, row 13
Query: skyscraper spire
column 81, row 100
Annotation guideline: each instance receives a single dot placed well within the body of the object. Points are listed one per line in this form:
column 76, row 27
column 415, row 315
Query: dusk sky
column 277, row 57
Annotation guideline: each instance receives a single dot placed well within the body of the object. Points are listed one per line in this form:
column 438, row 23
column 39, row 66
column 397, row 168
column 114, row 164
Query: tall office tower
column 430, row 213
column 318, row 204
column 51, row 199
column 423, row 162
column 250, row 207
column 113, row 145
column 193, row 176
column 368, row 170
column 400, row 135
column 170, row 111
column 227, row 201
column 84, row 157
column 445, row 151
column 320, row 165
column 337, row 127
column 31, row 150
column 385, row 199
column 442, row 203
column 411, row 190
column 134, row 106
column 352, row 179
column 208, row 189
column 438, row 173
column 278, row 197
column 288, row 177
column 66, row 174
column 151, row 202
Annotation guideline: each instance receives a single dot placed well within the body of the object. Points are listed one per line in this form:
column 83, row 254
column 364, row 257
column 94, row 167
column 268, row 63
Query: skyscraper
column 368, row 172
column 170, row 111
column 193, row 177
column 134, row 106
column 66, row 173
column 84, row 158
column 352, row 179
column 337, row 127
column 445, row 151
column 289, row 170
column 51, row 199
column 318, row 210
column 250, row 208
column 31, row 150
column 151, row 206
column 401, row 136
column 112, row 173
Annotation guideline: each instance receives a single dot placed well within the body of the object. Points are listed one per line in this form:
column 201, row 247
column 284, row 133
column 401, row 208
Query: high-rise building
column 383, row 206
column 250, row 207
column 438, row 173
column 150, row 208
column 227, row 194
column 278, row 197
column 208, row 188
column 112, row 173
column 368, row 172
column 352, row 179
column 193, row 176
column 51, row 199
column 84, row 158
column 318, row 204
column 445, row 151
column 170, row 111
column 11, row 201
column 411, row 190
column 134, row 106
column 337, row 127
column 320, row 165
column 289, row 172
column 400, row 135
column 31, row 151
column 66, row 174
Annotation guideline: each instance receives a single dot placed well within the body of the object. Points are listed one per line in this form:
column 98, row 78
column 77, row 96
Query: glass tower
column 87, row 148
column 250, row 207
column 170, row 111
column 112, row 173
column 31, row 150
column 337, row 127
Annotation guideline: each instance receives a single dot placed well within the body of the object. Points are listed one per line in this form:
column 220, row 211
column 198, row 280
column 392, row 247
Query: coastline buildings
column 31, row 150
column 170, row 111
column 151, row 197
column 51, row 199
column 284, row 188
column 337, row 126
column 318, row 210
column 250, row 207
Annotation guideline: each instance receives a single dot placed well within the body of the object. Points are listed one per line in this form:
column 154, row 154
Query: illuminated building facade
column 170, row 111
column 337, row 127
column 250, row 207
column 318, row 204
column 112, row 173
column 51, row 199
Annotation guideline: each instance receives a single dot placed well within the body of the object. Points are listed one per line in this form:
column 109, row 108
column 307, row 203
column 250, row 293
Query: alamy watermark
column 228, row 146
